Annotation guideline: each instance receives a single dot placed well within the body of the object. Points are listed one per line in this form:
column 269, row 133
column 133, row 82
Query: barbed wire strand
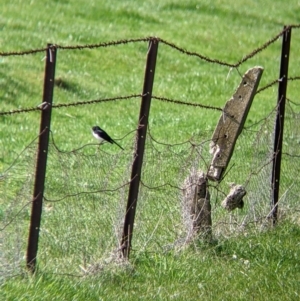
column 200, row 56
column 18, row 111
column 23, row 52
column 76, row 47
column 77, row 103
column 267, row 86
column 89, row 102
column 146, row 39
column 165, row 99
column 104, row 44
column 275, row 82
column 38, row 108
column 261, row 48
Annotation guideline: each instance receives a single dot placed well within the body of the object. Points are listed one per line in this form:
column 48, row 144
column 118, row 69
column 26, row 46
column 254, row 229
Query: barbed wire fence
column 87, row 190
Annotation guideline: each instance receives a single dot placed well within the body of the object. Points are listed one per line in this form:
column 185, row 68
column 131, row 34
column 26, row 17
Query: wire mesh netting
column 87, row 186
column 290, row 168
column 87, row 189
column 16, row 184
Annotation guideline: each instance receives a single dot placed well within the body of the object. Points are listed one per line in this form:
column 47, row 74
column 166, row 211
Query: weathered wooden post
column 231, row 123
column 197, row 199
column 195, row 187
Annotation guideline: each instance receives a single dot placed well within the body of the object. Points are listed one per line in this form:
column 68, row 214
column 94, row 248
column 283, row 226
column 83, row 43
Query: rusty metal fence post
column 140, row 147
column 40, row 174
column 282, row 88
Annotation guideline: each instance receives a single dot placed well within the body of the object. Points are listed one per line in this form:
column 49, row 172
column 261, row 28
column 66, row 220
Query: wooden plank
column 231, row 123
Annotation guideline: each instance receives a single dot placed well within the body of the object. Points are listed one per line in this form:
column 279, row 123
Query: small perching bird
column 101, row 135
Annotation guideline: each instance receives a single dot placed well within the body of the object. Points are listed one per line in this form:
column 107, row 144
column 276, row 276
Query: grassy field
column 255, row 267
column 81, row 230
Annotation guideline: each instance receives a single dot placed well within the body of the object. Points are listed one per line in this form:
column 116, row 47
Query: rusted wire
column 76, row 47
column 24, row 52
column 147, row 39
column 187, row 103
column 89, row 102
column 269, row 85
column 104, row 44
column 165, row 99
column 200, row 56
column 261, row 48
column 18, row 111
column 294, row 78
column 77, row 103
column 72, row 104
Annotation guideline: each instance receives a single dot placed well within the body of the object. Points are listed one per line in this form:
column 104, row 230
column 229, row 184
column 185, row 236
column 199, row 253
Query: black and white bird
column 101, row 135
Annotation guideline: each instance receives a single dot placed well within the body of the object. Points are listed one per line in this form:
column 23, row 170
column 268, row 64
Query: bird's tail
column 118, row 145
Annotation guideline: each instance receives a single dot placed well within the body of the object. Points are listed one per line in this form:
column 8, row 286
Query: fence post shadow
column 40, row 174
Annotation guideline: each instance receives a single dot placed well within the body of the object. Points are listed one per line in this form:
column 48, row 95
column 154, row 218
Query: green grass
column 249, row 267
column 81, row 229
